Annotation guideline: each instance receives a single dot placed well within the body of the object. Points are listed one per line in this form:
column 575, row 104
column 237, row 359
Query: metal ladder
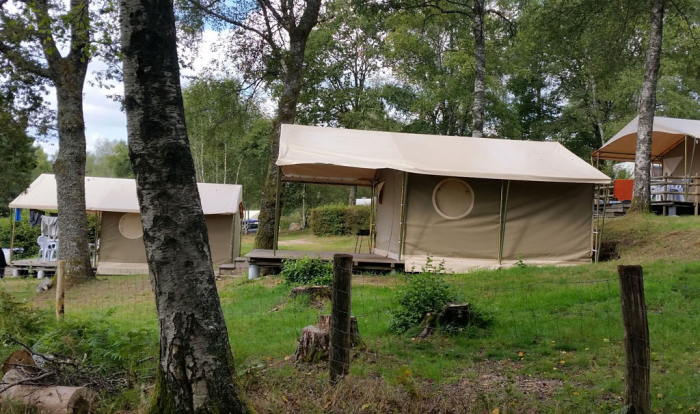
column 601, row 193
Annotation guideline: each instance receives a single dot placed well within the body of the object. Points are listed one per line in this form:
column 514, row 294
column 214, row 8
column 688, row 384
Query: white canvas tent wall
column 529, row 200
column 121, row 245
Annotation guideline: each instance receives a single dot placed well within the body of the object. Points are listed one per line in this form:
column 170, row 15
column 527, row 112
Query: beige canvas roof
column 668, row 133
column 119, row 195
column 346, row 156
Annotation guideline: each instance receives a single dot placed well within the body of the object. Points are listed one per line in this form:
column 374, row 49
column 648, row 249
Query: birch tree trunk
column 641, row 197
column 70, row 173
column 196, row 367
column 480, row 69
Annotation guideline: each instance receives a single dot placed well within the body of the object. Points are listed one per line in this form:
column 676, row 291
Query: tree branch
column 18, row 59
column 234, row 22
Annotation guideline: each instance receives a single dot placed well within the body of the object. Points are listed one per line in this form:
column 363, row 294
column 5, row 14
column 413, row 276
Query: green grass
column 553, row 325
column 305, row 241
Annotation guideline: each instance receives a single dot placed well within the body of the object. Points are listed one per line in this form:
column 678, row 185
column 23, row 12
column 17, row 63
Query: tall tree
column 270, row 37
column 18, row 156
column 32, row 35
column 641, row 196
column 476, row 11
column 196, row 369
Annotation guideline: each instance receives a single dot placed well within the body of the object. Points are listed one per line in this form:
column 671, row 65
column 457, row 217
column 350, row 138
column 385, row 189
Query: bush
column 424, row 292
column 308, row 272
column 339, row 220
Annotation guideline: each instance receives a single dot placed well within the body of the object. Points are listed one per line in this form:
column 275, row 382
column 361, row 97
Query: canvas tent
column 472, row 202
column 114, row 200
column 675, row 154
column 674, row 143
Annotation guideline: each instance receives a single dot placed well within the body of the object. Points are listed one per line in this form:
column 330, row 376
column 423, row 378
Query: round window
column 130, row 226
column 453, row 198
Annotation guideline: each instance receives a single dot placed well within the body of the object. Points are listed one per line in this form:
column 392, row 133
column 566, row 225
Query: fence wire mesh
column 556, row 343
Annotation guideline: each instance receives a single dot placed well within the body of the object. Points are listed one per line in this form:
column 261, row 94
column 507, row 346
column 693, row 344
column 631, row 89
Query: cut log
column 356, row 342
column 19, row 359
column 44, row 286
column 453, row 316
column 313, row 345
column 315, row 293
column 47, row 399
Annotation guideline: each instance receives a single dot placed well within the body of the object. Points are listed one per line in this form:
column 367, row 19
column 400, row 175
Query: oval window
column 453, row 198
column 130, row 226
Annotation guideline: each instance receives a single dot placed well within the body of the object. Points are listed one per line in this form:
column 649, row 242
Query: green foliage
column 109, row 159
column 338, row 220
column 25, row 235
column 307, row 272
column 21, row 321
column 17, row 155
column 229, row 135
column 423, row 293
column 99, row 344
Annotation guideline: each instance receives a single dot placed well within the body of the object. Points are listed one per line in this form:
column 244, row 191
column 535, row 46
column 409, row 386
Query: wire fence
column 557, row 338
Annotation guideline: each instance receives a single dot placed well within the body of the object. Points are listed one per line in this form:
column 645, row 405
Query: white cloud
column 103, row 116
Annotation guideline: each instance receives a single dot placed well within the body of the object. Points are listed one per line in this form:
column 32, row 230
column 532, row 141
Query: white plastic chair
column 51, row 252
column 42, row 241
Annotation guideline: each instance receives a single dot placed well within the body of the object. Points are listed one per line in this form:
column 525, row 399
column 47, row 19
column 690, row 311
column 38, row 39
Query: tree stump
column 316, row 294
column 315, row 339
column 50, row 399
column 313, row 345
column 452, row 316
column 356, row 342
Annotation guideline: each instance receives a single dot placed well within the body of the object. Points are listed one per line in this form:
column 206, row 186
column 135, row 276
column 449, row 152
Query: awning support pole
column 402, row 233
column 371, row 219
column 503, row 213
column 98, row 229
column 685, row 169
column 12, row 236
column 277, row 211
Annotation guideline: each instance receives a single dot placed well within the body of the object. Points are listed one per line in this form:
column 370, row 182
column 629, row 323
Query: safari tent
column 470, row 202
column 674, row 145
column 675, row 153
column 114, row 201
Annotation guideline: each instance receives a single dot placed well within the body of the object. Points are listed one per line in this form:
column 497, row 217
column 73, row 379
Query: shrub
column 338, row 220
column 424, row 292
column 21, row 321
column 307, row 271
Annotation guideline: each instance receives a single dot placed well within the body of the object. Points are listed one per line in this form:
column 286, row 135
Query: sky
column 104, row 118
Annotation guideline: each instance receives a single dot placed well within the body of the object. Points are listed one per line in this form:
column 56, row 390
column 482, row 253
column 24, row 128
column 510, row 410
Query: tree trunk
column 196, row 368
column 70, row 175
column 641, row 198
column 352, row 195
column 286, row 114
column 480, row 69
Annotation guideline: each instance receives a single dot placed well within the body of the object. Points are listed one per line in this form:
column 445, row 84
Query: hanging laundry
column 35, row 217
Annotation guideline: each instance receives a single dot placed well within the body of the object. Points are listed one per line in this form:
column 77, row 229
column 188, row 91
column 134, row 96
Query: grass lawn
column 555, row 346
column 305, row 240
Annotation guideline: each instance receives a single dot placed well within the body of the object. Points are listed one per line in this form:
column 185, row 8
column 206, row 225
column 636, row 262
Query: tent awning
column 345, row 156
column 119, row 195
column 667, row 134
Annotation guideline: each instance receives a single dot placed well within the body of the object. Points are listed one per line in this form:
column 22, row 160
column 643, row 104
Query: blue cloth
column 18, row 214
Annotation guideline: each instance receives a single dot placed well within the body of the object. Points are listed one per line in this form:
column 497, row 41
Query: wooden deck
column 26, row 266
column 361, row 261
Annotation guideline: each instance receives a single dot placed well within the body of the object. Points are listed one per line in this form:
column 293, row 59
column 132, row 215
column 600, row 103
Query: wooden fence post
column 60, row 294
column 637, row 394
column 340, row 334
